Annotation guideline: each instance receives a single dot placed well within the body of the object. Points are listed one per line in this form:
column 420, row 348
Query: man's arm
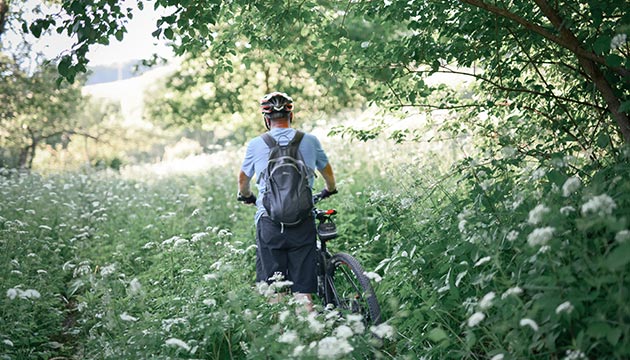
column 329, row 177
column 243, row 184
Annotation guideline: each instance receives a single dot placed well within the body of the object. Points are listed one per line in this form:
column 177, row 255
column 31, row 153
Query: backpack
column 288, row 197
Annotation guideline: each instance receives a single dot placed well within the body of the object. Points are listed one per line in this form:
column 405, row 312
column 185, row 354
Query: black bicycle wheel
column 351, row 289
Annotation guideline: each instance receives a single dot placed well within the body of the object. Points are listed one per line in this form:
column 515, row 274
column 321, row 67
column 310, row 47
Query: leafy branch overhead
column 563, row 65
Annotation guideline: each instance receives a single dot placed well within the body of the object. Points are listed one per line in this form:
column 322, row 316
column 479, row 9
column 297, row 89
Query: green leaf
column 438, row 334
column 619, row 257
column 598, row 329
column 168, row 33
column 119, row 35
column 614, row 60
column 36, row 29
column 64, row 66
column 602, row 45
column 603, row 140
column 625, row 106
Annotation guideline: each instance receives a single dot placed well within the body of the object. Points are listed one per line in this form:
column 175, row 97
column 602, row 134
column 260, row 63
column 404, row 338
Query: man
column 290, row 251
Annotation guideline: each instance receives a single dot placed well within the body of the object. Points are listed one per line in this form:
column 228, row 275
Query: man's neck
column 280, row 125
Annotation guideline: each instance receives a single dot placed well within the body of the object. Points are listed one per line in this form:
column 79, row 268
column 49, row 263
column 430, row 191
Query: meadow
column 474, row 260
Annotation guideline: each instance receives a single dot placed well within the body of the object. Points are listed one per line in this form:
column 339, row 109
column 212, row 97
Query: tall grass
column 478, row 262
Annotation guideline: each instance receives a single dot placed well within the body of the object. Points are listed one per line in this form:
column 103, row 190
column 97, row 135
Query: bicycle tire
column 351, row 289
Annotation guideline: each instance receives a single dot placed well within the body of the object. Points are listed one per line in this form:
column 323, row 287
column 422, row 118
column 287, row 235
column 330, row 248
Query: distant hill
column 114, row 72
column 129, row 92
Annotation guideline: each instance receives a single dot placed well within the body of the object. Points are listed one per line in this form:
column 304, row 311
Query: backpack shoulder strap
column 297, row 138
column 269, row 140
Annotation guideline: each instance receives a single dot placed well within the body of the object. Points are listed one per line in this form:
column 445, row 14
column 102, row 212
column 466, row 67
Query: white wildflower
column 149, row 245
column 135, row 287
column 622, row 236
column 264, row 289
column 512, row 291
column 355, row 322
column 601, row 205
column 198, row 236
column 211, row 276
column 564, row 307
column 566, row 210
column 288, row 337
column 108, row 270
column 30, row 294
column 373, row 276
column 343, row 332
column 126, row 317
column 482, row 261
column 537, row 214
column 459, row 277
column 617, row 41
column 284, row 315
column 539, row 173
column 486, row 301
column 12, row 293
column 574, row 355
column 512, row 235
column 475, row 319
column 383, row 331
column 540, row 236
column 297, row 352
column 181, row 242
column 223, row 233
column 529, row 322
column 570, row 186
column 177, row 343
column 462, row 226
column 210, row 302
column 332, row 348
column 316, row 326
column 497, row 357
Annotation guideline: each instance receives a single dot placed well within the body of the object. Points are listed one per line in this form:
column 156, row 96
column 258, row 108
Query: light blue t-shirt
column 257, row 155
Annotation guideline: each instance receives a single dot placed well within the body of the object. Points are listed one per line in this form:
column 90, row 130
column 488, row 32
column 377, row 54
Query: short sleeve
column 248, row 166
column 321, row 160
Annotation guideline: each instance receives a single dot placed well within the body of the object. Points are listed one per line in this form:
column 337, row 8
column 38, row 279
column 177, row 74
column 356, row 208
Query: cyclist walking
column 287, row 248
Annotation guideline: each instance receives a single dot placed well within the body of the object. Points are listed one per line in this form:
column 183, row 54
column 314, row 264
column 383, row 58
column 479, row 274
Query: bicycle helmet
column 276, row 103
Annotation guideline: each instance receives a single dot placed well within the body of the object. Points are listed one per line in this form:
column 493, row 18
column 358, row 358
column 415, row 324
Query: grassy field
column 476, row 262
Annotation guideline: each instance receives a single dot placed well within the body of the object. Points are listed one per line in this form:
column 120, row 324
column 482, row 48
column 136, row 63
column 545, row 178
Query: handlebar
column 323, row 215
column 322, row 195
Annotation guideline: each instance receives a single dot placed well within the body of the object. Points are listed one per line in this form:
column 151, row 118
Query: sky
column 136, row 44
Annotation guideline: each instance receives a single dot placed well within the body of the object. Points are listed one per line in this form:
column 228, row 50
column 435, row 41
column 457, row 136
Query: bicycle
column 341, row 280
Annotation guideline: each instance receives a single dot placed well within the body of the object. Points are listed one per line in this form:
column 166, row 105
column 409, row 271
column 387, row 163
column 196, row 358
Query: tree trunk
column 4, row 12
column 591, row 69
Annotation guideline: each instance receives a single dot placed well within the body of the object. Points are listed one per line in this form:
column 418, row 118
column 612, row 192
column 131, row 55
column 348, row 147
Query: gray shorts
column 290, row 251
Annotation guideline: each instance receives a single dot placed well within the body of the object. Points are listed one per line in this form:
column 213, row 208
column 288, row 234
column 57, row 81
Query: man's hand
column 251, row 199
column 325, row 193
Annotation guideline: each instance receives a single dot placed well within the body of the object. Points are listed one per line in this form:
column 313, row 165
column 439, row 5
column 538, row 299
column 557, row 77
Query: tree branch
column 574, row 47
column 509, row 89
column 588, row 64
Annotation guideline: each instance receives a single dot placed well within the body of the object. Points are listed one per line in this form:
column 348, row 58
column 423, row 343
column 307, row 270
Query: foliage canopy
column 559, row 66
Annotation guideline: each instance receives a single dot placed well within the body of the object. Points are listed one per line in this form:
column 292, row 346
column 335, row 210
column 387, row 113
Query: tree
column 201, row 95
column 34, row 111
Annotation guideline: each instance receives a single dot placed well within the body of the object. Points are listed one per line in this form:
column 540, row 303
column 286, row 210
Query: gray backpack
column 288, row 197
